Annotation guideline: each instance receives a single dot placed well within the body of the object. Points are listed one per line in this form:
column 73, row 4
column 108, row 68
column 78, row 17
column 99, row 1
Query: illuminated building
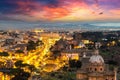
column 71, row 56
column 95, row 69
column 81, row 45
column 87, row 42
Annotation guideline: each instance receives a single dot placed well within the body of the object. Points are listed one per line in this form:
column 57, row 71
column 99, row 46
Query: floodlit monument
column 94, row 68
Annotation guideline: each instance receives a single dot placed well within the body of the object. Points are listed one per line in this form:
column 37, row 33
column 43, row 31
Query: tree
column 39, row 42
column 21, row 75
column 31, row 68
column 19, row 51
column 56, row 53
column 78, row 64
column 75, row 63
column 112, row 62
column 65, row 68
column 19, row 63
column 31, row 45
column 5, row 54
column 1, row 64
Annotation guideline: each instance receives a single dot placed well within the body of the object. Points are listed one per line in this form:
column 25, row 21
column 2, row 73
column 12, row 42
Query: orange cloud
column 52, row 13
column 116, row 11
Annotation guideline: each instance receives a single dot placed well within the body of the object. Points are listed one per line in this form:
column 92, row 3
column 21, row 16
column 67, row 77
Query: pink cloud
column 115, row 11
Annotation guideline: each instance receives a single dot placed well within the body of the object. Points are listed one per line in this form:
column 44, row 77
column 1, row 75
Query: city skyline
column 59, row 39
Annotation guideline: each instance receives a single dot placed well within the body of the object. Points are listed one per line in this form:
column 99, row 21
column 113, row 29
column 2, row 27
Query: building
column 81, row 45
column 97, row 45
column 71, row 56
column 9, row 64
column 76, row 54
column 94, row 68
column 50, row 35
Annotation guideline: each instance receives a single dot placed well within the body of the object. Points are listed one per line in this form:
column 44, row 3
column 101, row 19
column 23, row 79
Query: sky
column 59, row 10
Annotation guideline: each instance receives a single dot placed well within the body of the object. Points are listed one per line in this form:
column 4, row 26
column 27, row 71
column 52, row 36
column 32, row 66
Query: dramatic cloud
column 61, row 10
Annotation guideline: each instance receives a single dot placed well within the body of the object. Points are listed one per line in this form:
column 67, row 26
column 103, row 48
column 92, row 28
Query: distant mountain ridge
column 61, row 25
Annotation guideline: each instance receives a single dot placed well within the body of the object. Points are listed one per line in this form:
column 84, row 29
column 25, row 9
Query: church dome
column 96, row 58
